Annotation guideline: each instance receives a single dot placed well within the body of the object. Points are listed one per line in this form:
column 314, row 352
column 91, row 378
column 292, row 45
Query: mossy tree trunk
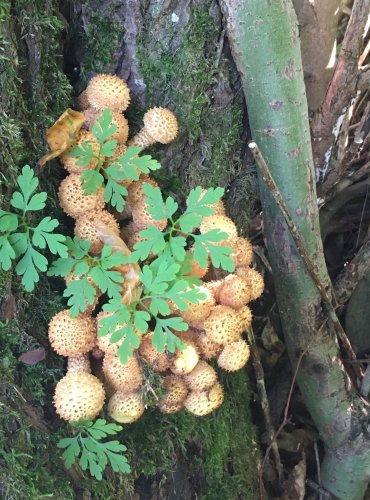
column 172, row 54
column 265, row 43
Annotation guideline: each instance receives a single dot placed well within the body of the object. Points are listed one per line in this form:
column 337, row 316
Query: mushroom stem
column 142, row 139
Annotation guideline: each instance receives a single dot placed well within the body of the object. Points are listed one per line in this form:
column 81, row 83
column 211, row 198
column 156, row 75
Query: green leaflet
column 92, row 454
column 20, row 240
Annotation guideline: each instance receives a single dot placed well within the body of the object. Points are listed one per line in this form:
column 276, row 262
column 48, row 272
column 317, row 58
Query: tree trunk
column 172, row 54
column 265, row 43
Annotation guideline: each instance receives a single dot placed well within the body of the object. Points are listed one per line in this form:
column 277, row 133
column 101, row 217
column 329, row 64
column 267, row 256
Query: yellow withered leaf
column 62, row 134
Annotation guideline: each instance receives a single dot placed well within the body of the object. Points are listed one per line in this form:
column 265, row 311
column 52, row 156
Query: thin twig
column 317, row 458
column 327, row 299
column 260, row 378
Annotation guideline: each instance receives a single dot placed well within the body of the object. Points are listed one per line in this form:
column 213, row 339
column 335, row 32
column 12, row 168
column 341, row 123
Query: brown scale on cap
column 126, row 408
column 142, row 218
column 223, row 325
column 85, row 228
column 199, row 312
column 253, row 279
column 160, row 362
column 208, row 348
column 234, row 356
column 176, row 392
column 160, row 125
column 202, row 403
column 79, row 363
column 123, row 378
column 234, row 292
column 69, row 162
column 73, row 200
column 121, row 134
column 224, row 224
column 79, row 396
column 201, row 378
column 71, row 336
column 108, row 91
column 242, row 252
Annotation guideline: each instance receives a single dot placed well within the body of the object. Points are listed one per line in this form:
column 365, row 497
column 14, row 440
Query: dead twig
column 323, row 493
column 324, row 290
column 260, row 379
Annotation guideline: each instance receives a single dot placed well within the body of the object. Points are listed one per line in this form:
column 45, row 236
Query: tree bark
column 265, row 45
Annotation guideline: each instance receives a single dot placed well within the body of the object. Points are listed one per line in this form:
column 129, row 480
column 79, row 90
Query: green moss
column 220, row 450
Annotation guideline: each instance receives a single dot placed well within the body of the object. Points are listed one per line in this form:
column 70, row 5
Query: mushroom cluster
column 216, row 323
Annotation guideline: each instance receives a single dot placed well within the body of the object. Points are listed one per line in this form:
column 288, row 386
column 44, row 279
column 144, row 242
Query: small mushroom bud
column 160, row 125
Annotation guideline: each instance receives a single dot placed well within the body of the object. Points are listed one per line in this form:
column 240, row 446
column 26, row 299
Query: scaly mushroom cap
column 185, row 359
column 159, row 361
column 121, row 134
column 214, row 287
column 161, row 124
column 253, row 279
column 176, row 392
column 124, row 378
column 69, row 162
column 242, row 252
column 202, row 403
column 218, row 208
column 126, row 408
column 234, row 356
column 234, row 292
column 79, row 396
column 79, row 363
column 142, row 218
column 208, row 348
column 223, row 325
column 199, row 312
column 85, row 228
column 73, row 200
column 224, row 224
column 132, row 236
column 71, row 336
column 108, row 91
column 201, row 378
column 135, row 191
column 245, row 317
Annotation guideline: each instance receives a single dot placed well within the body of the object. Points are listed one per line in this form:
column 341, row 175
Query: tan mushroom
column 79, row 396
column 160, row 125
